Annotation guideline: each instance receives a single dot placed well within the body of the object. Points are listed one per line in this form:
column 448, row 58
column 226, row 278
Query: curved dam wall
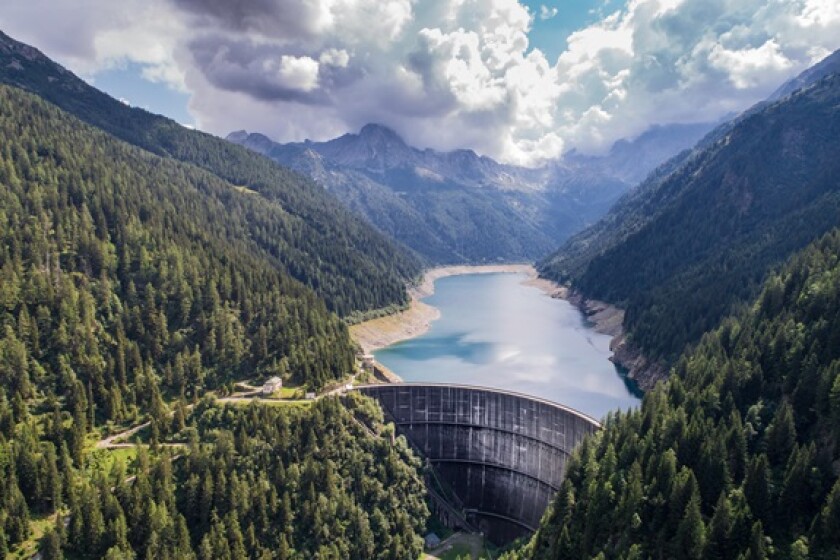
column 502, row 454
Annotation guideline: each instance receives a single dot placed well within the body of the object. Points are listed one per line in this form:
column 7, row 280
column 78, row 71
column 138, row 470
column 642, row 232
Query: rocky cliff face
column 640, row 368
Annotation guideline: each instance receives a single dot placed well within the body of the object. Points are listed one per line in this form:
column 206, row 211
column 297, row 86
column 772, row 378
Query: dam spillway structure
column 503, row 455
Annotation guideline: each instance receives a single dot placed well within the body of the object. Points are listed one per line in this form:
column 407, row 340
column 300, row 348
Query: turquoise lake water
column 494, row 331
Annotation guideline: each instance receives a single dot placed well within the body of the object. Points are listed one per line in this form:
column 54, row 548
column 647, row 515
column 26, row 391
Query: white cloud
column 444, row 73
column 547, row 13
column 682, row 61
column 749, row 67
column 300, row 73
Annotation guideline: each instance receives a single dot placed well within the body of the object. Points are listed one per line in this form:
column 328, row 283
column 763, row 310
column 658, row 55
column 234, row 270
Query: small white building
column 368, row 360
column 273, row 384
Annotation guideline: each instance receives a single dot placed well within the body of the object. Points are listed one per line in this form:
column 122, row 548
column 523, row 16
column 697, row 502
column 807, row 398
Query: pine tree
column 757, row 487
column 17, row 520
column 781, row 435
column 93, row 522
column 758, row 544
column 50, row 548
column 4, row 547
column 691, row 534
column 51, row 479
column 718, row 544
column 827, row 526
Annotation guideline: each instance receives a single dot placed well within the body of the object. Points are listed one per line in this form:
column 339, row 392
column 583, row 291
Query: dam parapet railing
column 502, row 453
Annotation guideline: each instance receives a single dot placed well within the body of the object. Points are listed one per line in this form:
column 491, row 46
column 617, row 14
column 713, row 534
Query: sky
column 520, row 82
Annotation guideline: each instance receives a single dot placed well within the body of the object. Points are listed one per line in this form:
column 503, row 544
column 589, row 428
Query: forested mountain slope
column 349, row 264
column 131, row 284
column 117, row 264
column 829, row 65
column 291, row 483
column 693, row 242
column 736, row 455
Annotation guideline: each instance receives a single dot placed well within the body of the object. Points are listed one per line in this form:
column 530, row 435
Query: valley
column 599, row 347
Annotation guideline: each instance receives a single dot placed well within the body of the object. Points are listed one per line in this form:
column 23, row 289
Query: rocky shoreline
column 609, row 319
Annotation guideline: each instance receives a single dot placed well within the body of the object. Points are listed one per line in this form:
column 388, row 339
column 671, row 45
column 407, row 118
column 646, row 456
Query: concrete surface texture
column 503, row 454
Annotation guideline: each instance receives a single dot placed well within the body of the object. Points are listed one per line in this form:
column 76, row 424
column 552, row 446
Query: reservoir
column 496, row 331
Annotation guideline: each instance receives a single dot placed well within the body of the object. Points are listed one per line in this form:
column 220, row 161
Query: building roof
column 274, row 381
column 432, row 540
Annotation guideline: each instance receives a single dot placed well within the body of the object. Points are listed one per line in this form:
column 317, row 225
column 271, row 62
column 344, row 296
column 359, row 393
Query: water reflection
column 497, row 332
column 455, row 344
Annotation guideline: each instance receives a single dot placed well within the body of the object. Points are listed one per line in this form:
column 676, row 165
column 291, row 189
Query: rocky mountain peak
column 237, row 136
column 374, row 132
column 375, row 147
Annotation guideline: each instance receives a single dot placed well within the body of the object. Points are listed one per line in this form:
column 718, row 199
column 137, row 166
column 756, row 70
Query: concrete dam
column 501, row 456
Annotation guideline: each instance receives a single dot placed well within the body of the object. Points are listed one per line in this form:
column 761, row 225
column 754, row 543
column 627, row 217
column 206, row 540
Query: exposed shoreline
column 427, row 285
column 609, row 319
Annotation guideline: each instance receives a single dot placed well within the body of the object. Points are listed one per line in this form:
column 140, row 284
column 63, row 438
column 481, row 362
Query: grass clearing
column 457, row 552
column 103, row 460
column 29, row 547
column 290, row 393
column 267, row 402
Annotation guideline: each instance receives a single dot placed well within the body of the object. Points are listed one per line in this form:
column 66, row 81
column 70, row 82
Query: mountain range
column 456, row 207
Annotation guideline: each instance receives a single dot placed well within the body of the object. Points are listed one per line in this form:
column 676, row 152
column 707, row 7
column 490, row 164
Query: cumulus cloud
column 300, row 73
column 444, row 73
column 91, row 35
column 747, row 67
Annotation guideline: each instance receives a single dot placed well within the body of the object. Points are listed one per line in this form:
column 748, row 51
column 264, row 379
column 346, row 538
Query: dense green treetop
column 132, row 284
column 292, row 483
column 136, row 278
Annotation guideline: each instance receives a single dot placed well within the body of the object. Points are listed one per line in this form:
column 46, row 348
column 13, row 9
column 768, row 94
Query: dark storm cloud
column 257, row 70
column 226, row 54
column 287, row 19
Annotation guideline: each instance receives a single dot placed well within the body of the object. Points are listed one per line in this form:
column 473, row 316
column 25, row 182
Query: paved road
column 110, row 441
